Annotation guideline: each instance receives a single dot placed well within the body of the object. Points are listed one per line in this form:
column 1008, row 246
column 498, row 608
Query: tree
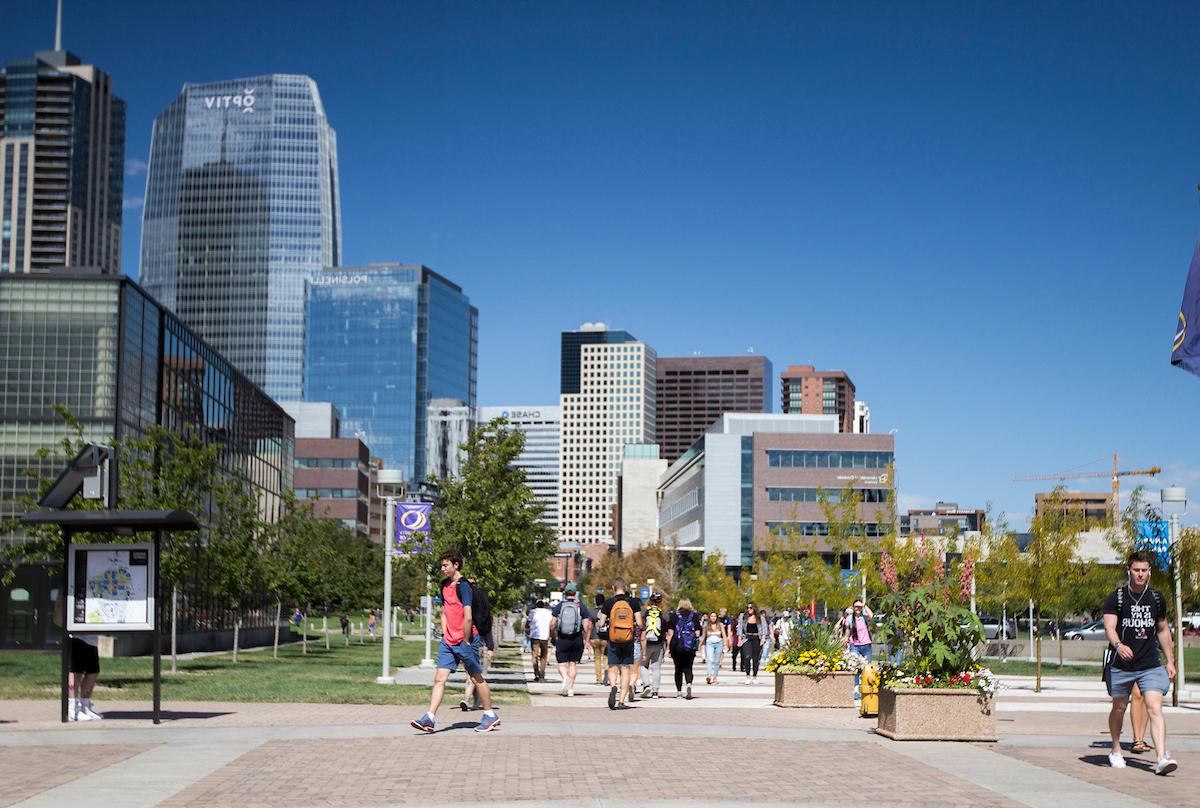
column 710, row 587
column 491, row 516
column 235, row 545
column 636, row 567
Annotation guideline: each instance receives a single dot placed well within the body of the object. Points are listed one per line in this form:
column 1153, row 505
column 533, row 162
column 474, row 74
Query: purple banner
column 1185, row 351
column 412, row 527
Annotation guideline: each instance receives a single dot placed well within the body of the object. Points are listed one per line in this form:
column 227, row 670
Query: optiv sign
column 245, row 101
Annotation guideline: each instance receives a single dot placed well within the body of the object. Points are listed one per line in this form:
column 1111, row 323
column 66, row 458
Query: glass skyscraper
column 383, row 342
column 242, row 208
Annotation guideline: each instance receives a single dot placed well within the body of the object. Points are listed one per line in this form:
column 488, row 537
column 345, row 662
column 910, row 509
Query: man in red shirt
column 460, row 643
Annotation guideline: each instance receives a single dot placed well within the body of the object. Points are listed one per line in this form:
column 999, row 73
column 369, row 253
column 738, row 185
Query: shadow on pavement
column 166, row 715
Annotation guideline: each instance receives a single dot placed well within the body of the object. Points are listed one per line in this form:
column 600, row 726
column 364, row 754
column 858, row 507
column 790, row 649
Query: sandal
column 1139, row 746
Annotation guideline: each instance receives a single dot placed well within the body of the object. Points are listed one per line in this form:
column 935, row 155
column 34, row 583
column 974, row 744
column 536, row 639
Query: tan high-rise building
column 807, row 391
column 613, row 408
column 62, row 165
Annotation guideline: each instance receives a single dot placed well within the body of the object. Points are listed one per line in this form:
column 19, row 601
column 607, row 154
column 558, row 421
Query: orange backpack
column 620, row 622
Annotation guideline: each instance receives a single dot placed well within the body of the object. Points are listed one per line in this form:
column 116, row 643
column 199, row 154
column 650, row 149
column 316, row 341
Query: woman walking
column 683, row 637
column 751, row 631
column 715, row 641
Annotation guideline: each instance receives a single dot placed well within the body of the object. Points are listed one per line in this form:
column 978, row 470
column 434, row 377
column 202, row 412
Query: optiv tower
column 242, row 208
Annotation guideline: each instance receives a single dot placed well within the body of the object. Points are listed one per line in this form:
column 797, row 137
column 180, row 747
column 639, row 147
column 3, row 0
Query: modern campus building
column 62, row 165
column 540, row 457
column 637, row 496
column 692, row 392
column 242, row 208
column 120, row 362
column 384, row 341
column 753, row 479
column 943, row 519
column 1096, row 508
column 572, row 346
column 614, row 407
column 802, row 389
column 448, row 425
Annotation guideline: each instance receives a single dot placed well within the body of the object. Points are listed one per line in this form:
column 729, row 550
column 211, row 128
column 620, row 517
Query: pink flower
column 887, row 566
column 968, row 574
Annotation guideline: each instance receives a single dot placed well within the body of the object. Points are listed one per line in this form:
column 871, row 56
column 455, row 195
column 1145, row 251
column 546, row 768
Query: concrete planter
column 808, row 690
column 931, row 714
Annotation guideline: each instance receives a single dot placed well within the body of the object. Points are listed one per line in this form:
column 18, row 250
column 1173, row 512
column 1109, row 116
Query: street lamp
column 1174, row 502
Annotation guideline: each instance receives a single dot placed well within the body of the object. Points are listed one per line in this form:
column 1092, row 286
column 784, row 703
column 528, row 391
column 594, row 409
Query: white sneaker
column 72, row 710
column 570, row 691
column 86, row 707
column 1115, row 760
column 1165, row 765
column 565, row 687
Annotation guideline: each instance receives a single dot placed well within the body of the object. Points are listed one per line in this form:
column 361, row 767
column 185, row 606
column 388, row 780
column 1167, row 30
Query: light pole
column 389, row 548
column 1174, row 502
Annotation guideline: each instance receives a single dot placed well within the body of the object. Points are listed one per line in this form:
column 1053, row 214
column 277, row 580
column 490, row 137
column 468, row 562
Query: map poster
column 111, row 587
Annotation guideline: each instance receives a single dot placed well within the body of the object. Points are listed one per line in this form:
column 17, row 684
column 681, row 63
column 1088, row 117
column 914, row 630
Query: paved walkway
column 1051, row 753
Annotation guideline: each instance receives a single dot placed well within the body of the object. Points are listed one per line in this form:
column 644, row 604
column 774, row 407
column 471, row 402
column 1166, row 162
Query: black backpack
column 481, row 610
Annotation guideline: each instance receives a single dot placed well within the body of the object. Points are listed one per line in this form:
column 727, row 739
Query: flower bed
column 936, row 714
column 828, row 689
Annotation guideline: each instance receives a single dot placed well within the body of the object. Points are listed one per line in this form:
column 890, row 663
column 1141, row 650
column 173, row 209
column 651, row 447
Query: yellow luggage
column 869, row 690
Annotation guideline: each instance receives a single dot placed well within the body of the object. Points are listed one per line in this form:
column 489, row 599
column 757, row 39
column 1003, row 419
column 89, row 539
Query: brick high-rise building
column 693, row 392
column 62, row 165
column 807, row 391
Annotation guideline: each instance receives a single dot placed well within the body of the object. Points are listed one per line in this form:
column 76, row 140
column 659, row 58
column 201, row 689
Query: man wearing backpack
column 1135, row 622
column 654, row 646
column 458, row 645
column 570, row 624
column 621, row 615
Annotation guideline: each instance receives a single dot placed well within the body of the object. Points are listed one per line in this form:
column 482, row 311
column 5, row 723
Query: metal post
column 64, row 605
column 1031, row 631
column 427, row 662
column 156, row 634
column 1180, row 691
column 973, row 597
column 389, row 542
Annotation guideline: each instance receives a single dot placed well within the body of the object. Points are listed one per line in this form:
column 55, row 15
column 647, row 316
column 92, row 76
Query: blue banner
column 412, row 527
column 1185, row 351
column 1153, row 536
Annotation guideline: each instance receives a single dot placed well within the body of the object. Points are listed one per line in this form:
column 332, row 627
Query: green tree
column 491, row 516
column 235, row 543
column 710, row 587
column 1047, row 563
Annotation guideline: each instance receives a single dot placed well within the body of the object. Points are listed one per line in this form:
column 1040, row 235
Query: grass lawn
column 1023, row 667
column 341, row 675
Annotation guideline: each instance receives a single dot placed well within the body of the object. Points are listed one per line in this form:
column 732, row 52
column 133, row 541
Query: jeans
column 712, row 656
column 864, row 651
column 655, row 652
column 683, row 666
column 766, row 651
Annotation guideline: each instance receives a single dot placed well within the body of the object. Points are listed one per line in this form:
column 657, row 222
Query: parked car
column 992, row 630
column 1088, row 631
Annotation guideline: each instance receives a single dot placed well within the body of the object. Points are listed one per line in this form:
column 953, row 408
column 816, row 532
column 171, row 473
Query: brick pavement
column 421, row 770
column 29, row 770
column 1091, row 763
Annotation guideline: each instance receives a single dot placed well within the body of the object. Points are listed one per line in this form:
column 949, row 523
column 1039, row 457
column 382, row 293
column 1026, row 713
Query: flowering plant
column 813, row 649
column 932, row 632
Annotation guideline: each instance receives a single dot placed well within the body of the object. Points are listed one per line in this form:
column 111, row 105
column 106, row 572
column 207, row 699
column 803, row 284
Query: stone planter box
column 805, row 690
column 929, row 714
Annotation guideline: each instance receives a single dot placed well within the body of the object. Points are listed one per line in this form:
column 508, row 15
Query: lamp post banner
column 412, row 528
column 1154, row 536
column 1185, row 350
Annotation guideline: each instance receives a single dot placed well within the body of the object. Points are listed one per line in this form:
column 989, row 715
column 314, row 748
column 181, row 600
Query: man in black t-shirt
column 621, row 624
column 1135, row 621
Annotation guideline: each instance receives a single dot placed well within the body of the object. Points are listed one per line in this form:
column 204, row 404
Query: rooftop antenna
column 58, row 28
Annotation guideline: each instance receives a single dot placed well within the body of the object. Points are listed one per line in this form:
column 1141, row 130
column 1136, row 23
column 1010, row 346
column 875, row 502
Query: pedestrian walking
column 621, row 614
column 857, row 636
column 684, row 638
column 654, row 644
column 715, row 634
column 751, row 630
column 735, row 638
column 459, row 644
column 600, row 647
column 1135, row 622
column 539, row 637
column 525, row 638
column 768, row 638
column 570, row 625
column 371, row 625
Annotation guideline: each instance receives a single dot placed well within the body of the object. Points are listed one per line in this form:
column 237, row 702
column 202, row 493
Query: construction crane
column 1116, row 482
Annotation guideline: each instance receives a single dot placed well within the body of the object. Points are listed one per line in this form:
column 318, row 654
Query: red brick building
column 807, row 391
column 333, row 474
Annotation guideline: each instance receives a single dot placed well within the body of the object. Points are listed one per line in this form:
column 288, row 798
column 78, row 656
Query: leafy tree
column 235, row 545
column 491, row 516
column 710, row 587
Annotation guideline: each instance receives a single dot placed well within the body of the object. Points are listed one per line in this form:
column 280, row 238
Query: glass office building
column 383, row 342
column 242, row 209
column 119, row 362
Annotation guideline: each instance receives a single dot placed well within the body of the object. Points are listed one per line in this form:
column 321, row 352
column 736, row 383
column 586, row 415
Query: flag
column 1185, row 352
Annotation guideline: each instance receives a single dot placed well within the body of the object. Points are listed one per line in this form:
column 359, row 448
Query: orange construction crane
column 1116, row 482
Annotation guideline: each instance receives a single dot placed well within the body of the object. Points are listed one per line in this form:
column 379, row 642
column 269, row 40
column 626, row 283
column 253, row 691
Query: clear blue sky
column 983, row 213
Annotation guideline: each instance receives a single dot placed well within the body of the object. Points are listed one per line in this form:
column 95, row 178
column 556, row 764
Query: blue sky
column 982, row 212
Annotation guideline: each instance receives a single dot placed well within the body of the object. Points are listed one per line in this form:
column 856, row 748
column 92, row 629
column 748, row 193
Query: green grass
column 1023, row 667
column 341, row 675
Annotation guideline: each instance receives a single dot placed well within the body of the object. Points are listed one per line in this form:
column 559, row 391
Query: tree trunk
column 278, row 614
column 174, row 629
column 304, row 632
column 237, row 627
column 1060, row 641
column 325, row 628
column 1037, row 624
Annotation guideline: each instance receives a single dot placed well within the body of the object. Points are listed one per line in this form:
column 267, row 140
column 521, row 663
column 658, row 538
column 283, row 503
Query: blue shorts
column 450, row 655
column 620, row 653
column 1120, row 683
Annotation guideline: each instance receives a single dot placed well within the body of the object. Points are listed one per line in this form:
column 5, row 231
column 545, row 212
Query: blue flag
column 1185, row 352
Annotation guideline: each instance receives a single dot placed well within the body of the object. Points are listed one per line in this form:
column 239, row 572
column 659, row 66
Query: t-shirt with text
column 1137, row 625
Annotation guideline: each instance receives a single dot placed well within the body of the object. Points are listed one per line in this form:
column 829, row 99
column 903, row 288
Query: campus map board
column 111, row 587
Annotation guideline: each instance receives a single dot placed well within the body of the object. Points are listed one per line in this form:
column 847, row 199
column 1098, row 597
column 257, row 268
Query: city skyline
column 983, row 221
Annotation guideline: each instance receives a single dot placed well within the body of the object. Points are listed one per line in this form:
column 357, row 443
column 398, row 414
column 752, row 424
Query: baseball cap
column 570, row 588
